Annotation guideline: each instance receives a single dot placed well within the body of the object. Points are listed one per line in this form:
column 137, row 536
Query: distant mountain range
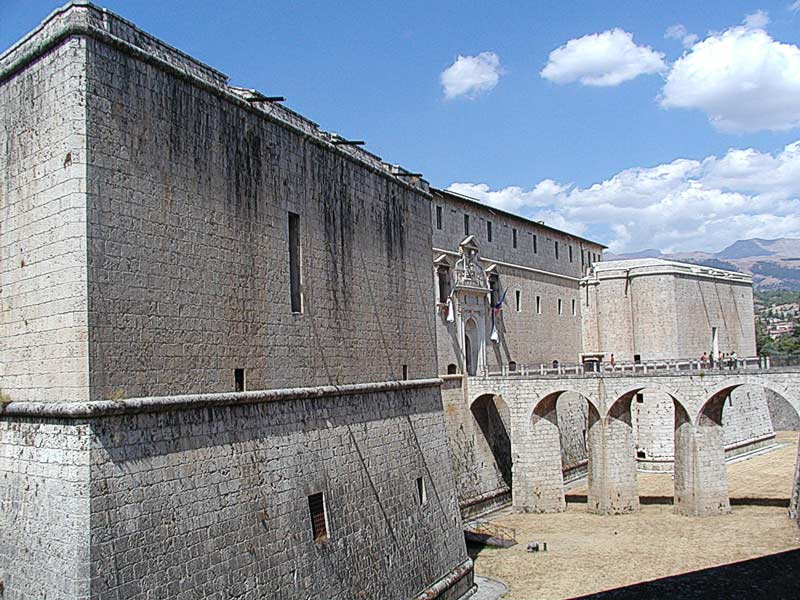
column 773, row 264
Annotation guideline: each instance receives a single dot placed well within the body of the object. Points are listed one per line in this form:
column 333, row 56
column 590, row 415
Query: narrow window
column 556, row 250
column 443, row 275
column 640, row 398
column 438, row 217
column 405, row 372
column 518, row 294
column 319, row 518
column 574, row 308
column 514, row 237
column 637, row 358
column 535, row 249
column 587, row 295
column 489, row 231
column 560, row 306
column 494, row 289
column 570, row 254
column 422, row 493
column 466, row 224
column 294, row 263
column 538, row 305
column 583, row 257
column 238, row 378
column 452, row 369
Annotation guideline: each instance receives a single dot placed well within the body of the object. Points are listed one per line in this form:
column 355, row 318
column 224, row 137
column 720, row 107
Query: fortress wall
column 609, row 327
column 705, row 303
column 527, row 337
column 190, row 191
column 207, row 497
column 654, row 317
column 44, row 509
column 43, row 298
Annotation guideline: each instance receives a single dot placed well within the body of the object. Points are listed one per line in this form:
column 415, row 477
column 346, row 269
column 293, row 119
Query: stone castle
column 217, row 378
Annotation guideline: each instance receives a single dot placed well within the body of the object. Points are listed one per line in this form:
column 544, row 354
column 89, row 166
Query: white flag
column 494, row 337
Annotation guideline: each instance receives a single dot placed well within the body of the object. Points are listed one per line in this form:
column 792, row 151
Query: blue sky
column 632, row 137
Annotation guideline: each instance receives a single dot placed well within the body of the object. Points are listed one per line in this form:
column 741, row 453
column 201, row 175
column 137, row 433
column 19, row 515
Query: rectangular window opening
column 438, row 217
column 556, row 250
column 422, row 493
column 514, row 237
column 405, row 372
column 319, row 517
column 518, row 294
column 574, row 308
column 535, row 249
column 538, row 305
column 238, row 377
column 494, row 290
column 466, row 224
column 560, row 306
column 489, row 231
column 294, row 263
column 570, row 254
column 637, row 358
column 640, row 398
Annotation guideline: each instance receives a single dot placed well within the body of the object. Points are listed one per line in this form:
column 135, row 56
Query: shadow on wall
column 493, row 418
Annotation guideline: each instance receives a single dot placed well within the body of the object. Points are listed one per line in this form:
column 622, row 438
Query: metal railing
column 640, row 368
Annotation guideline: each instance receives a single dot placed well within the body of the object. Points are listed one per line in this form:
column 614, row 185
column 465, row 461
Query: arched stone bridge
column 701, row 486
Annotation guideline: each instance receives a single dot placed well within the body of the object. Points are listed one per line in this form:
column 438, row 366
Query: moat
column 588, row 554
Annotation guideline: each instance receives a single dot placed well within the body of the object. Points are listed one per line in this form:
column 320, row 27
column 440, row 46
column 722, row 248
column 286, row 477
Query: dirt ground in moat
column 590, row 553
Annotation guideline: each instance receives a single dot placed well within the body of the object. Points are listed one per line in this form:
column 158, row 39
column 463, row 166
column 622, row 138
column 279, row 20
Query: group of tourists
column 723, row 360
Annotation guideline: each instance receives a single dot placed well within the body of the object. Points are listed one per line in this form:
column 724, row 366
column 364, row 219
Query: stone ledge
column 448, row 582
column 103, row 408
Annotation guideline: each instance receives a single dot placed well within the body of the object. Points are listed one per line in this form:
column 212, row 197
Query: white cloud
column 742, row 78
column 679, row 206
column 471, row 75
column 758, row 20
column 602, row 59
column 679, row 32
column 794, row 6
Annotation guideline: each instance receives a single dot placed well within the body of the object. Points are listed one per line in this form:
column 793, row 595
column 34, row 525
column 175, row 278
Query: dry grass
column 589, row 553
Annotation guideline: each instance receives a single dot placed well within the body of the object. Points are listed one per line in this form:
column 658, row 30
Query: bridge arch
column 704, row 471
column 721, row 391
column 551, row 397
column 626, row 396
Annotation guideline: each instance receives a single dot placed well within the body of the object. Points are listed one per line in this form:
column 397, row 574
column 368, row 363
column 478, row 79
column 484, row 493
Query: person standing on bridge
column 704, row 361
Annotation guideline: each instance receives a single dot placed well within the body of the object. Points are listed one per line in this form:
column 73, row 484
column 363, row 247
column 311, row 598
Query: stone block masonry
column 145, row 243
column 207, row 496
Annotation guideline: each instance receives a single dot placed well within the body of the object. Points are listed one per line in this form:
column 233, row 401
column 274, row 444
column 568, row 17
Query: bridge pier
column 613, row 487
column 701, row 484
column 538, row 479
